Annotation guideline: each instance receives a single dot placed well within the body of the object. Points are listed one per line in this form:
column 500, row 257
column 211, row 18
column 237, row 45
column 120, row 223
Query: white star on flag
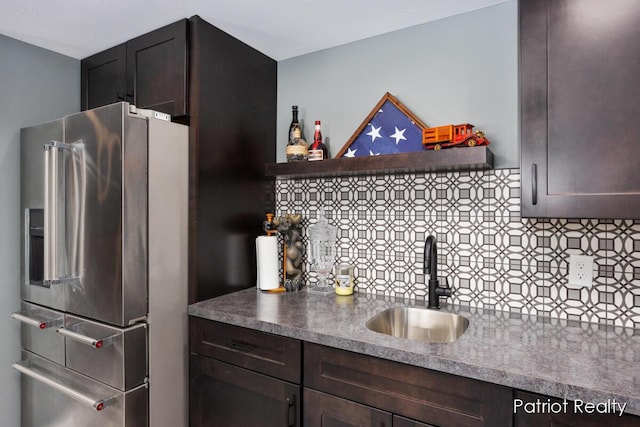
column 374, row 132
column 350, row 152
column 371, row 153
column 399, row 135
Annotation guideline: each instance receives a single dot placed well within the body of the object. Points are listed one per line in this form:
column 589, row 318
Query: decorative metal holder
column 289, row 226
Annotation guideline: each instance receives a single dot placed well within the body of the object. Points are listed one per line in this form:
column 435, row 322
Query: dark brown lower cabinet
column 561, row 414
column 323, row 410
column 225, row 395
column 242, row 377
column 420, row 394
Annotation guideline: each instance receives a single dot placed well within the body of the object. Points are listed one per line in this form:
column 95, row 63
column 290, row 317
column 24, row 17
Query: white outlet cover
column 580, row 271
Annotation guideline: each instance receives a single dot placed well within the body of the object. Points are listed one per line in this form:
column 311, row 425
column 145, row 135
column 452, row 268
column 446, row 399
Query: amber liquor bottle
column 318, row 150
column 297, row 148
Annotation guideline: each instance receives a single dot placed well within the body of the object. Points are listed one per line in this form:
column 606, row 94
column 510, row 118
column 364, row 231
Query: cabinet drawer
column 421, row 394
column 269, row 354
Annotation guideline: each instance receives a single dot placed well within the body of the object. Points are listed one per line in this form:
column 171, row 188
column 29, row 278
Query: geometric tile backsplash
column 491, row 257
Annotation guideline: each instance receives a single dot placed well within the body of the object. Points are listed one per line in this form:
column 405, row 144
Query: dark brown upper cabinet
column 150, row 71
column 580, row 101
column 104, row 77
column 226, row 91
column 157, row 69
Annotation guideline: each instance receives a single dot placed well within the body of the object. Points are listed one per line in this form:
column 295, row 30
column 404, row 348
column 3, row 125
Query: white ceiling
column 279, row 28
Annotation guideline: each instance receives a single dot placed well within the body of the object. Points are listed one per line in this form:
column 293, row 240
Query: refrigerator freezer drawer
column 114, row 356
column 38, row 331
column 56, row 396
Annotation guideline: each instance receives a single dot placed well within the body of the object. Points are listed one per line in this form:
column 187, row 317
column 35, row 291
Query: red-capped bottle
column 318, row 149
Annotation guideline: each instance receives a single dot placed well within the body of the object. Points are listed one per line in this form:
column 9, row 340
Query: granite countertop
column 548, row 356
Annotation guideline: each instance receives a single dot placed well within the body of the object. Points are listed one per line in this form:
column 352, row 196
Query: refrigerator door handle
column 38, row 323
column 54, row 194
column 96, row 343
column 50, row 212
column 96, row 404
column 53, row 191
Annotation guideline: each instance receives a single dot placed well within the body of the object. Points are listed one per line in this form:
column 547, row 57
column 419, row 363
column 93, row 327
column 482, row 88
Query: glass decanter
column 322, row 253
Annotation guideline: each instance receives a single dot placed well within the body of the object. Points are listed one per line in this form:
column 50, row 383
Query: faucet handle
column 444, row 290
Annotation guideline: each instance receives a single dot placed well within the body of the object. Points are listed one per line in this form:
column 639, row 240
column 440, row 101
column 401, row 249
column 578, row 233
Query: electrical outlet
column 580, row 271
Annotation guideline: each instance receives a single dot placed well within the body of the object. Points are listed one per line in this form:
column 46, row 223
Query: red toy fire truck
column 452, row 135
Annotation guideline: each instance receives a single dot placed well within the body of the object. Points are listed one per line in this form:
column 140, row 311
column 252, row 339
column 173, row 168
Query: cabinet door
column 580, row 100
column 157, row 69
column 103, row 78
column 232, row 135
column 225, row 395
column 564, row 414
column 323, row 410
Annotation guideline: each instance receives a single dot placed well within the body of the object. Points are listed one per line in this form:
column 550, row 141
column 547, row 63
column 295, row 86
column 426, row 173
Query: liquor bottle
column 318, row 150
column 294, row 122
column 297, row 147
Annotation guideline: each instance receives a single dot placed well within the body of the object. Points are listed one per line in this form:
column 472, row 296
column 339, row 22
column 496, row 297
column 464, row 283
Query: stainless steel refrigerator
column 104, row 203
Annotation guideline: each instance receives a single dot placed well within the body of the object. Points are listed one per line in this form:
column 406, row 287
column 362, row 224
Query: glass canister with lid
column 322, row 245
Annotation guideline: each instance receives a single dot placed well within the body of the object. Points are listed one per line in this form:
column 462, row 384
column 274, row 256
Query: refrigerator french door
column 104, row 201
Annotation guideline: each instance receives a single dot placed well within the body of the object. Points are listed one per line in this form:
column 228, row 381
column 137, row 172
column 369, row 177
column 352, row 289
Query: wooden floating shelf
column 451, row 159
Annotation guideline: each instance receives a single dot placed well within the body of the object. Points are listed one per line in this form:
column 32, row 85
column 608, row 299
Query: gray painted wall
column 36, row 85
column 462, row 69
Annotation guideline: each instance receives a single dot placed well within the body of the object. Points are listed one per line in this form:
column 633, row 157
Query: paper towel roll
column 267, row 259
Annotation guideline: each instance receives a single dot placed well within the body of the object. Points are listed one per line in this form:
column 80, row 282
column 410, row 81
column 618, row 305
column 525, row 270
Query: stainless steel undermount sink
column 419, row 324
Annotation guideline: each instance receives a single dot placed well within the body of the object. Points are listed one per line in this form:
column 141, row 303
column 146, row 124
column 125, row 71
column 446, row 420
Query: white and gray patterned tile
column 492, row 257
